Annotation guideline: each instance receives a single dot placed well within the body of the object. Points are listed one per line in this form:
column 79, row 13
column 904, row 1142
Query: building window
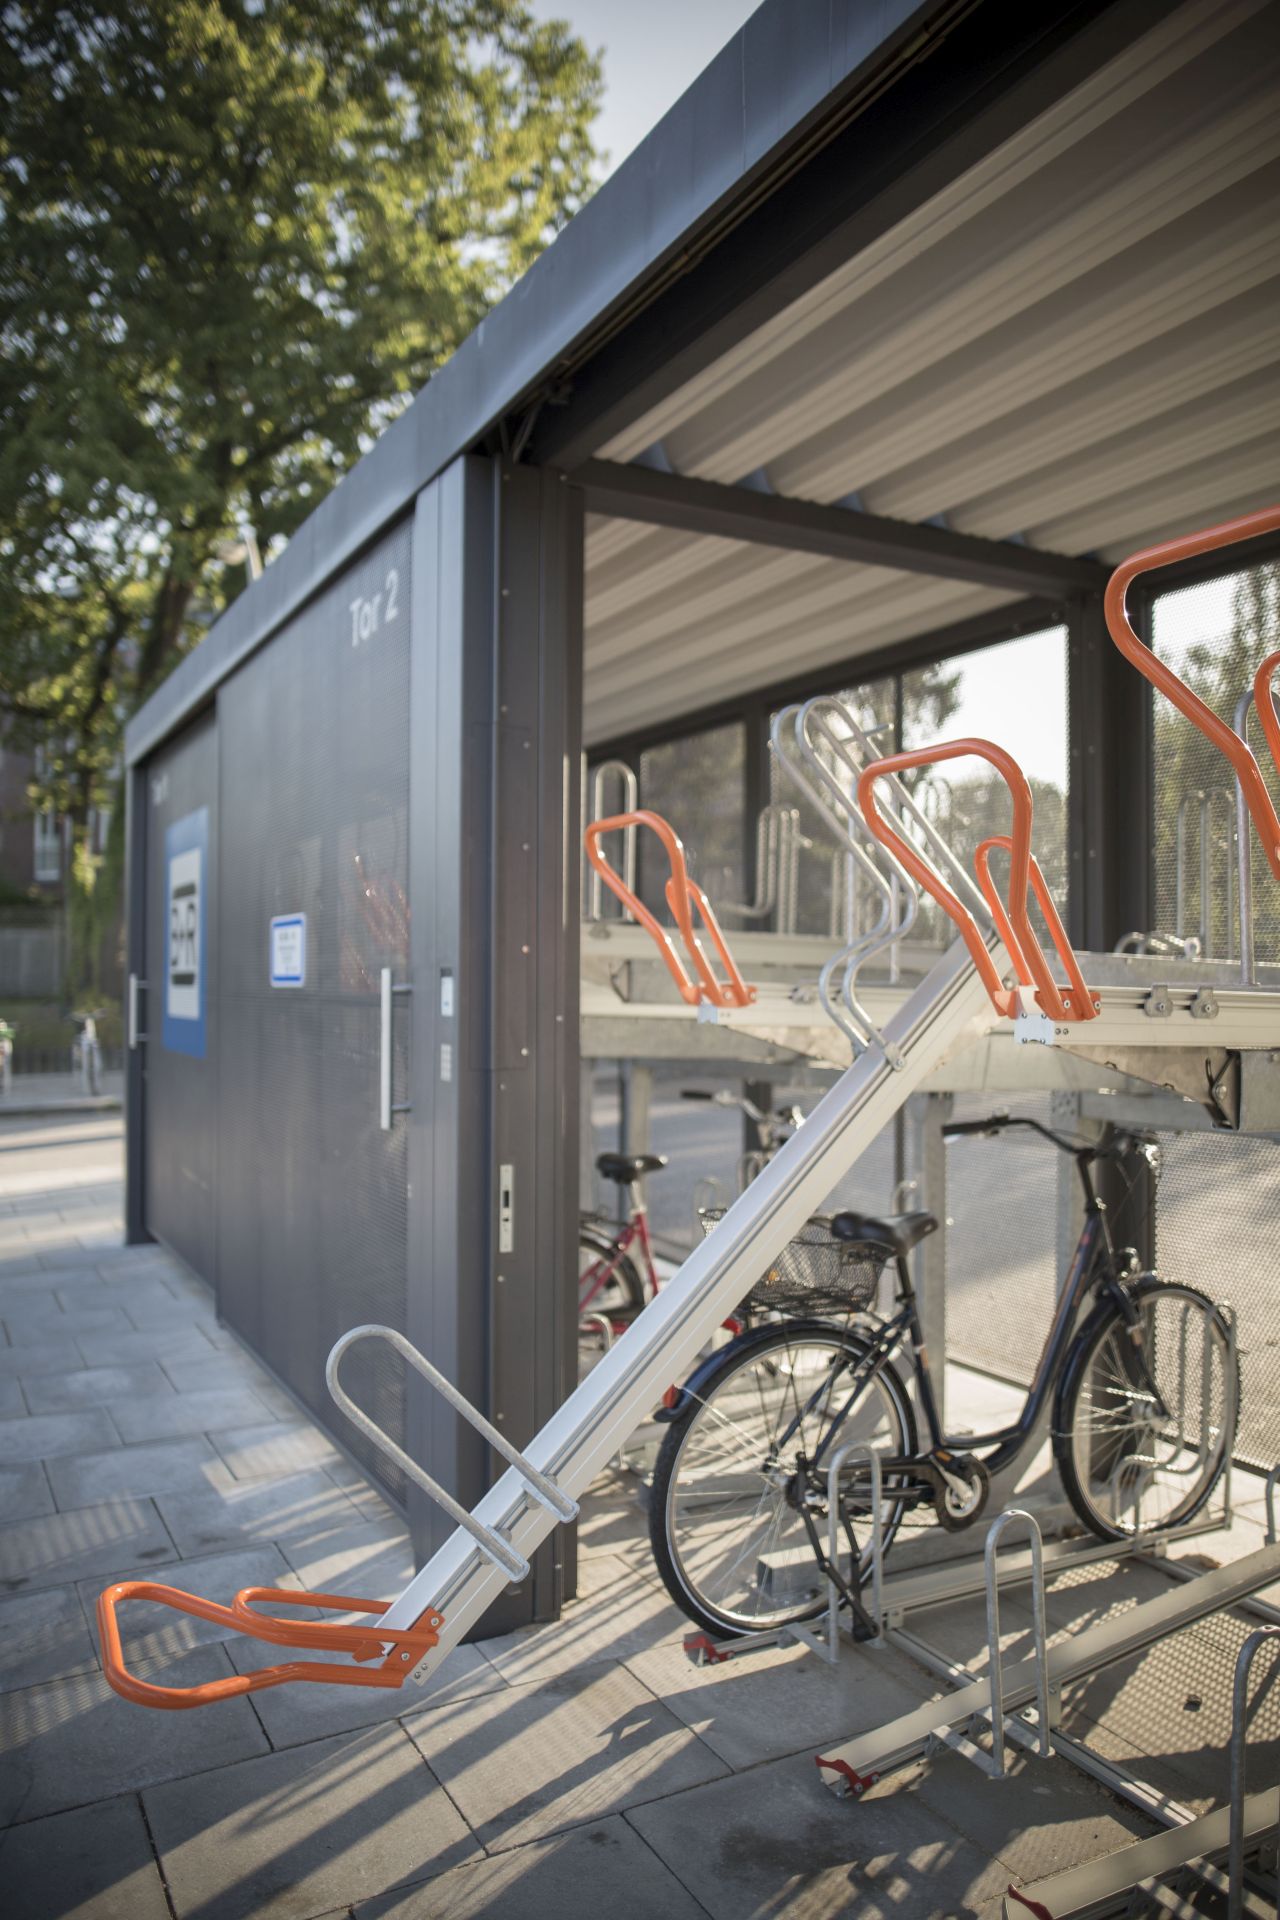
column 48, row 858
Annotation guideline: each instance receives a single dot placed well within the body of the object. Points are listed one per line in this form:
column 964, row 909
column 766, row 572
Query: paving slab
column 83, row 1480
column 74, row 1741
column 24, row 1492
column 359, row 1488
column 783, row 1700
column 216, row 1370
column 294, row 1715
column 621, row 1613
column 227, row 1512
column 12, row 1404
column 158, row 1343
column 45, row 1636
column 43, row 1436
column 55, row 1548
column 273, row 1448
column 152, row 1634
column 373, row 1559
column 167, row 1413
column 135, row 1293
column 93, row 1864
column 33, row 1329
column 58, row 1354
column 572, row 1749
column 93, row 1387
column 602, row 1869
column 775, row 1842
column 299, row 1833
column 156, row 1316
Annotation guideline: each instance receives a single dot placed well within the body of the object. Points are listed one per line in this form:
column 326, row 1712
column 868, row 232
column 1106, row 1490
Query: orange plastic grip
column 683, row 896
column 1227, row 741
column 407, row 1646
column 1014, row 924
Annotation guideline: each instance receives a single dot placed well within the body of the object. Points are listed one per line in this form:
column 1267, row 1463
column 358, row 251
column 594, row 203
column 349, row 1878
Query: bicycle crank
column 960, row 1485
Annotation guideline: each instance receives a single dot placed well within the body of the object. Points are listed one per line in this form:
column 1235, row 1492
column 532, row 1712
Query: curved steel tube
column 500, row 1551
column 1227, row 741
column 630, row 800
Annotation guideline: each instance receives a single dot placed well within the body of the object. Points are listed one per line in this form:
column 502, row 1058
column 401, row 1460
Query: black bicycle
column 1145, row 1391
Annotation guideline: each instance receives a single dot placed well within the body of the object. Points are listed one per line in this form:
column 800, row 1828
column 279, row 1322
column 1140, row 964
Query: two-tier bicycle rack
column 995, row 973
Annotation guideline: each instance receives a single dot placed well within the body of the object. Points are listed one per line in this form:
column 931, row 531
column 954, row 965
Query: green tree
column 236, row 239
column 1219, row 668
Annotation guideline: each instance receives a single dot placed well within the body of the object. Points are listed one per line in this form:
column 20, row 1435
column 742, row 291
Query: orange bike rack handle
column 406, row 1646
column 1014, row 924
column 683, row 897
column 1227, row 741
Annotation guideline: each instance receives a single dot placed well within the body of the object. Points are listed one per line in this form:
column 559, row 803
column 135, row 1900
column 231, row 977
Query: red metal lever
column 407, row 1646
column 1024, row 873
column 683, row 896
column 1227, row 741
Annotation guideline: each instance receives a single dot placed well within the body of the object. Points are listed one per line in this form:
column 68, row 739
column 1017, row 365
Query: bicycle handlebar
column 998, row 1122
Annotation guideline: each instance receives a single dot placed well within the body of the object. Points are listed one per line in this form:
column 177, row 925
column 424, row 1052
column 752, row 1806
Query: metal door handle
column 135, row 1037
column 386, row 1111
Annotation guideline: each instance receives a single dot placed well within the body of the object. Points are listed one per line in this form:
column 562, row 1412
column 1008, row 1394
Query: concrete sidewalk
column 568, row 1771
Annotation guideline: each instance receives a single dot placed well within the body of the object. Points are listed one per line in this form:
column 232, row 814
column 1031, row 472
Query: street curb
column 84, row 1103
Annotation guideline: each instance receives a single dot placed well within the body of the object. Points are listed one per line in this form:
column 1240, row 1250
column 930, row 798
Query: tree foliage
column 237, row 236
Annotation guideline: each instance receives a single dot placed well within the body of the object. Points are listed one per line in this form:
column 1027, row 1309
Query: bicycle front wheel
column 1146, row 1426
column 725, row 1509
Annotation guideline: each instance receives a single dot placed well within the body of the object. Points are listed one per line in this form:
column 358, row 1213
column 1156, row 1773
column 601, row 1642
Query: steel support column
column 1109, row 828
column 494, row 825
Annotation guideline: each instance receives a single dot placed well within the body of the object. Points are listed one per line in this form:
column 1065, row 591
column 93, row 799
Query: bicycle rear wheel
column 724, row 1513
column 1132, row 1462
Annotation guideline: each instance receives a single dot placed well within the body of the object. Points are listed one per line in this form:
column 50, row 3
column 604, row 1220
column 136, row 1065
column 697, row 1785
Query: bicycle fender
column 743, row 1343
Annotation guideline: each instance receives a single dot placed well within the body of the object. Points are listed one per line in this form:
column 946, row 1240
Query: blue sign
column 186, row 852
column 289, row 950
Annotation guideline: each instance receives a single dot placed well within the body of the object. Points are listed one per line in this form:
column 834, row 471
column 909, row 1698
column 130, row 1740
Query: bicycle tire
column 670, row 1529
column 1103, row 1410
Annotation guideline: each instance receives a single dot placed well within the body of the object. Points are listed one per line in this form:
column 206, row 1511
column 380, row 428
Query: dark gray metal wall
column 180, row 1154
column 314, row 781
column 497, row 732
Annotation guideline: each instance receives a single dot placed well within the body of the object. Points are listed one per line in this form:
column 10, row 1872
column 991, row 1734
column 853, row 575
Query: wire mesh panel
column 1001, row 1247
column 1214, row 635
column 314, row 780
column 1216, row 1208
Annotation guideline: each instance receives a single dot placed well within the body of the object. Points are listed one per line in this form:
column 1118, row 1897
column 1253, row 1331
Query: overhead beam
column 836, row 533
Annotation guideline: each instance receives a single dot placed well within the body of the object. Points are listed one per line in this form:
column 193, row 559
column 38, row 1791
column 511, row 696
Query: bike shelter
column 354, row 1074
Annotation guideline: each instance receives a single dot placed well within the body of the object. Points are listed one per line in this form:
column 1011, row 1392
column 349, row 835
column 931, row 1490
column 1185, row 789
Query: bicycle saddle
column 901, row 1231
column 626, row 1168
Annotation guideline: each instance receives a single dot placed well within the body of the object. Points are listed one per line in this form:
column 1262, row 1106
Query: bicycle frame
column 603, row 1269
column 1093, row 1265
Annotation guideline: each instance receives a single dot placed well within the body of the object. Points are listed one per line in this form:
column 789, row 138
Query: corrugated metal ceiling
column 1077, row 344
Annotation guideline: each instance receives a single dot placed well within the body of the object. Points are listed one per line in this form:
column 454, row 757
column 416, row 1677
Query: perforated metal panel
column 180, row 1053
column 312, row 1197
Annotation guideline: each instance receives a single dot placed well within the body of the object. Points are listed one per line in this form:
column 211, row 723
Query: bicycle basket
column 815, row 1272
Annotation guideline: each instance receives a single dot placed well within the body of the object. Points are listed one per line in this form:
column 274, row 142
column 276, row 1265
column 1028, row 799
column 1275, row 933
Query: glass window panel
column 821, row 886
column 1213, row 635
column 698, row 784
column 1014, row 694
